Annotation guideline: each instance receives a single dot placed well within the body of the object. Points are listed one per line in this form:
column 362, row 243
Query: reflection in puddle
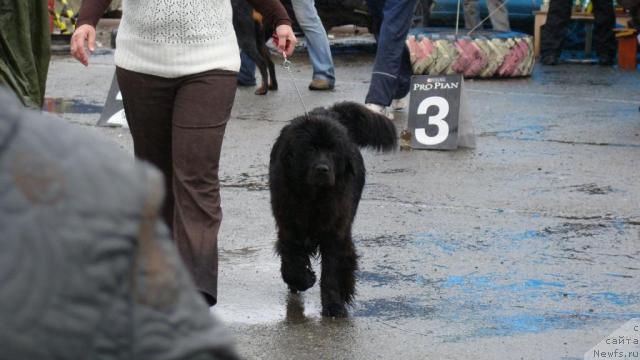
column 295, row 309
column 246, row 311
column 68, row 106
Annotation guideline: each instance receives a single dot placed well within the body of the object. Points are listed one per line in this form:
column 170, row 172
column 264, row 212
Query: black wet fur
column 316, row 177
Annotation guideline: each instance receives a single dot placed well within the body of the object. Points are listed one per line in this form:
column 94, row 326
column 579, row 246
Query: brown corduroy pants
column 178, row 124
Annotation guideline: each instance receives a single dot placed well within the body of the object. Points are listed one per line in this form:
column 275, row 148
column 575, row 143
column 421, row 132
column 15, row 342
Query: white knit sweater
column 172, row 38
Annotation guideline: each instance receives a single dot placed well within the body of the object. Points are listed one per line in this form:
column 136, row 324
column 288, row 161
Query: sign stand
column 438, row 115
column 113, row 111
column 466, row 133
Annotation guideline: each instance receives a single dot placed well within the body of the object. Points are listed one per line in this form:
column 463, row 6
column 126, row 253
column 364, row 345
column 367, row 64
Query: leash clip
column 286, row 64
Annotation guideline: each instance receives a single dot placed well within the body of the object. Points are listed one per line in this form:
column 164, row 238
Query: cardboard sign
column 113, row 111
column 434, row 111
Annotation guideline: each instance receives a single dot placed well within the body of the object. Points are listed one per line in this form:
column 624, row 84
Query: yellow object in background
column 589, row 7
column 64, row 18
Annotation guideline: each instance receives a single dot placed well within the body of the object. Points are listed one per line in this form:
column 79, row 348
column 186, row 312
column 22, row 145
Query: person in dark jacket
column 87, row 267
column 554, row 31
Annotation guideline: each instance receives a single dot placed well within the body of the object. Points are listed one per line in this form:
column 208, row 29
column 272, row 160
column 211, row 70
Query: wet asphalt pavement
column 527, row 247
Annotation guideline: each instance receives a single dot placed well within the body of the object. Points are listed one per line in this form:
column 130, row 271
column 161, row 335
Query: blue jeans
column 247, row 73
column 315, row 38
column 316, row 41
column 391, row 76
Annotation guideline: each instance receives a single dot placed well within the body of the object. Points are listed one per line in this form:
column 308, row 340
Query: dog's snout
column 322, row 168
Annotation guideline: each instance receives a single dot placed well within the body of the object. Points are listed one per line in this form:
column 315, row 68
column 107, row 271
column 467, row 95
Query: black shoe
column 606, row 60
column 549, row 59
column 208, row 298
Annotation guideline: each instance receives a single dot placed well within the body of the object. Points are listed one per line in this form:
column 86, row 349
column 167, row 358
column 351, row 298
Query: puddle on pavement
column 407, row 290
column 398, row 171
column 592, row 189
column 288, row 308
column 568, row 230
column 528, row 132
column 385, row 278
column 393, row 240
column 246, row 181
column 492, row 304
column 68, row 106
column 393, row 309
column 242, row 252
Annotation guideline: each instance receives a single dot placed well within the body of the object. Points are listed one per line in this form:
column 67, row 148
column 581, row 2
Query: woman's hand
column 85, row 34
column 286, row 39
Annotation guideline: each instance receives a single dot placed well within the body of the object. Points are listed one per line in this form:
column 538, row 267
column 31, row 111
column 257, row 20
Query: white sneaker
column 376, row 108
column 399, row 104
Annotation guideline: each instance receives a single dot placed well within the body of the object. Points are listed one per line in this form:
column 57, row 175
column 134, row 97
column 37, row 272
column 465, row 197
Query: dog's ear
column 282, row 150
column 349, row 169
column 287, row 157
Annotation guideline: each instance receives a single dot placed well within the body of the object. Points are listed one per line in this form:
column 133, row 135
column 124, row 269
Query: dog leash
column 287, row 66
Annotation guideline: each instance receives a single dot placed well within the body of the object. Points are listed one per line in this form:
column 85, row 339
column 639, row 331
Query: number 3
column 438, row 120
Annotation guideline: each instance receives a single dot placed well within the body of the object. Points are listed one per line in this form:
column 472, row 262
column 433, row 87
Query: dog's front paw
column 301, row 281
column 336, row 310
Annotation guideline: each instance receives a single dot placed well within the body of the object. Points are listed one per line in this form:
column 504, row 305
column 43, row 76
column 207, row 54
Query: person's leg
column 247, row 74
column 604, row 38
column 375, row 10
column 553, row 32
column 390, row 55
column 201, row 111
column 500, row 18
column 148, row 105
column 316, row 39
column 471, row 13
column 403, row 84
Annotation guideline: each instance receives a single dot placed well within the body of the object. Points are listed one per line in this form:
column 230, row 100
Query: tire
column 483, row 54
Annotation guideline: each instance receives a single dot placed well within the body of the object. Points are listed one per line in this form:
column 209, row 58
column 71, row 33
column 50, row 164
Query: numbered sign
column 113, row 111
column 434, row 111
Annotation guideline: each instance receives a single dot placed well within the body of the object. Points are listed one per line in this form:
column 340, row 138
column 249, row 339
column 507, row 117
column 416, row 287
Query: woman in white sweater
column 176, row 64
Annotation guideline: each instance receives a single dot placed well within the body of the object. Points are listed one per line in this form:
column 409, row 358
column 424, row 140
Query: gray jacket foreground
column 87, row 271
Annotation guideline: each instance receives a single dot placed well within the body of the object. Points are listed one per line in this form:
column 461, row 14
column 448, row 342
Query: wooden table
column 541, row 19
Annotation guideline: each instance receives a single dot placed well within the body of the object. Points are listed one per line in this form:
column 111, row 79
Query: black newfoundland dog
column 316, row 176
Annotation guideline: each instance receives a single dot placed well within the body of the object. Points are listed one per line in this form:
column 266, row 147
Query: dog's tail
column 366, row 128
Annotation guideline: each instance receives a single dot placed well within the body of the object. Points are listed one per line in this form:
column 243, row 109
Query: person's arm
column 91, row 11
column 273, row 11
column 276, row 15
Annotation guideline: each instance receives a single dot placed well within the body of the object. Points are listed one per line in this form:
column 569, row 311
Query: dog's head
column 316, row 151
column 323, row 166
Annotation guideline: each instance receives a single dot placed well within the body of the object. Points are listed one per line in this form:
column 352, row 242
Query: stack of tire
column 485, row 54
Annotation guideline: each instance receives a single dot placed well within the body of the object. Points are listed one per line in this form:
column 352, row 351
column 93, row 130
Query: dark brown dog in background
column 252, row 34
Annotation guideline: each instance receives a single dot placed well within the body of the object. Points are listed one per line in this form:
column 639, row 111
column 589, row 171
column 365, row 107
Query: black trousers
column 554, row 30
column 178, row 125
